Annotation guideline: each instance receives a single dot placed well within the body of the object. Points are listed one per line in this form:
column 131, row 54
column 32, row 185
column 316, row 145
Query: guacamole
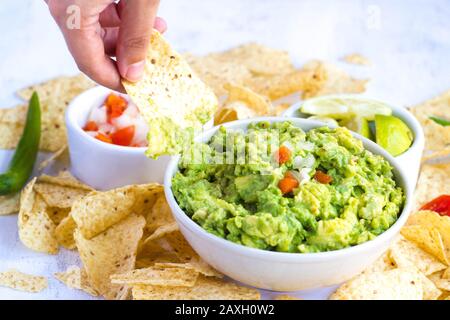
column 276, row 187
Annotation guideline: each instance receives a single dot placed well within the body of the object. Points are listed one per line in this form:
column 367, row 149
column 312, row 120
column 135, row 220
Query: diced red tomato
column 440, row 205
column 288, row 183
column 115, row 106
column 322, row 177
column 123, row 137
column 90, row 126
column 282, row 155
column 103, row 137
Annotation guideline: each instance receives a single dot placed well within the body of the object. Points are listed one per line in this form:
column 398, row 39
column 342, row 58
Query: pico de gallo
column 440, row 205
column 118, row 122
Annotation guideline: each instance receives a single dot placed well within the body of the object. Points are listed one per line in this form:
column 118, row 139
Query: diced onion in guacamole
column 232, row 187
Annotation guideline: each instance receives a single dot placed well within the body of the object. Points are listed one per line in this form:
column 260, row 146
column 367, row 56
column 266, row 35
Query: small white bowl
column 286, row 271
column 101, row 165
column 410, row 160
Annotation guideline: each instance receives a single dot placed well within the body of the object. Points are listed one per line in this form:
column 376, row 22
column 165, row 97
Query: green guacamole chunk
column 232, row 187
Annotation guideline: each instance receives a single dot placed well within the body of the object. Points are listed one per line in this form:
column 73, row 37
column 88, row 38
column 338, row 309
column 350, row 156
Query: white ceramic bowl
column 410, row 159
column 102, row 165
column 286, row 271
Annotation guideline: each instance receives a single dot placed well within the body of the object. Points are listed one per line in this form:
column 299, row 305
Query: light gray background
column 407, row 40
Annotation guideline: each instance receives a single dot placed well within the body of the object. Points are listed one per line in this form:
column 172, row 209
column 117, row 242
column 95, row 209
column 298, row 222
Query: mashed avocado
column 278, row 188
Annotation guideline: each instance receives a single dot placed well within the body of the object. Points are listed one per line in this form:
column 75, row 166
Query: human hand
column 108, row 29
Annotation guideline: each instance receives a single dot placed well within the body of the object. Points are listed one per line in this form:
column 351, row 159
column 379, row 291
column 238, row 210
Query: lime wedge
column 359, row 125
column 342, row 107
column 326, row 120
column 324, row 106
column 392, row 134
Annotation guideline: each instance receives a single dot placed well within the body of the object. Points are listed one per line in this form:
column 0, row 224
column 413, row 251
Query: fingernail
column 135, row 71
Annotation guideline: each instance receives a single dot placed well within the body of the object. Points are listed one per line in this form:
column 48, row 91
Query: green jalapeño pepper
column 22, row 163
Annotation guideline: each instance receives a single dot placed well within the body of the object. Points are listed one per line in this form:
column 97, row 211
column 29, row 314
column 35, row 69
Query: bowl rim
column 75, row 109
column 286, row 257
column 398, row 111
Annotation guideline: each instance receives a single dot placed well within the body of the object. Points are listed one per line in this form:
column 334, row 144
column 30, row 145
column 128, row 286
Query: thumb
column 137, row 20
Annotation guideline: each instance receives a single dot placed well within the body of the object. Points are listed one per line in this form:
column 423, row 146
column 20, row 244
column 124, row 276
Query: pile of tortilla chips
column 254, row 79
column 128, row 242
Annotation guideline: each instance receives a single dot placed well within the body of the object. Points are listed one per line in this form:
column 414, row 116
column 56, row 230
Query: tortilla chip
column 175, row 277
column 36, row 229
column 205, row 289
column 159, row 215
column 171, row 98
column 383, row 263
column 64, row 88
column 283, row 85
column 394, row 284
column 434, row 180
column 59, row 153
column 54, row 96
column 64, row 232
column 17, row 280
column 180, row 246
column 329, row 79
column 64, row 179
column 58, row 196
column 259, row 59
column 9, row 204
column 98, row 211
column 430, row 290
column 155, row 252
column 435, row 155
column 446, row 274
column 437, row 137
column 440, row 282
column 407, row 255
column 233, row 111
column 162, row 231
column 358, row 59
column 196, row 264
column 428, row 239
column 258, row 103
column 430, row 219
column 111, row 252
column 76, row 278
column 57, row 214
column 216, row 72
column 17, row 114
column 10, row 134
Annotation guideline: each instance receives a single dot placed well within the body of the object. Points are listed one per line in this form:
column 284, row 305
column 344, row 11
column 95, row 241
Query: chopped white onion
column 306, row 162
column 298, row 162
column 105, row 128
column 305, row 145
column 131, row 110
column 92, row 133
column 123, row 121
column 140, row 132
column 309, row 161
column 304, row 175
column 288, row 145
column 98, row 115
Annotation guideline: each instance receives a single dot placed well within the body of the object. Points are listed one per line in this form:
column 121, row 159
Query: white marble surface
column 408, row 42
